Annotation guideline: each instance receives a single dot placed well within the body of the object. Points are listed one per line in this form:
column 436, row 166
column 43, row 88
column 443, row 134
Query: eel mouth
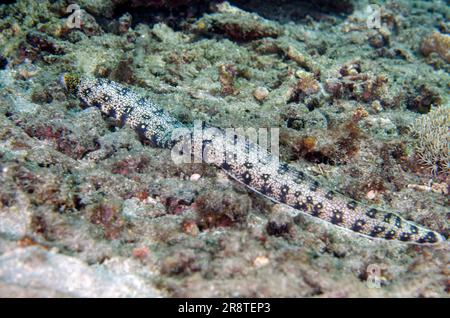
column 69, row 81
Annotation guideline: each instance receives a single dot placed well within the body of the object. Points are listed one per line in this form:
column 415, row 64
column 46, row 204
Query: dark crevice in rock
column 173, row 13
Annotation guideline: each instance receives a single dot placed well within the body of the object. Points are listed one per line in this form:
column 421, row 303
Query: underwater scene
column 226, row 149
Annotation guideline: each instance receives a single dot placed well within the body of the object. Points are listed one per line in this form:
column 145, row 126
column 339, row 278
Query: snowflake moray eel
column 275, row 180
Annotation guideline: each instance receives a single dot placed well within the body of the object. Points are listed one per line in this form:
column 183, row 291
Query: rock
column 46, row 273
column 134, row 209
column 280, row 222
column 381, row 125
column 260, row 261
column 261, row 93
column 125, row 23
column 312, row 120
column 195, row 177
column 44, row 42
column 166, row 34
column 16, row 220
column 221, row 209
column 89, row 25
column 238, row 25
column 21, row 105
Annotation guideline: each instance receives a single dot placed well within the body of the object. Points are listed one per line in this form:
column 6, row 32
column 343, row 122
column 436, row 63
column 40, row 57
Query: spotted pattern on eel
column 275, row 180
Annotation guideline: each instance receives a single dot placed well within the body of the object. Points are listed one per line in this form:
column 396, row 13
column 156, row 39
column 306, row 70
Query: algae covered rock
column 46, row 273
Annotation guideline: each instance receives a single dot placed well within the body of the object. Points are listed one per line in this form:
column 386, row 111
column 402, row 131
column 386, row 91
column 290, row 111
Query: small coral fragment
column 261, row 93
column 190, row 227
column 352, row 83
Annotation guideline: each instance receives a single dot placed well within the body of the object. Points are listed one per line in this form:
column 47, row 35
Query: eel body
column 275, row 180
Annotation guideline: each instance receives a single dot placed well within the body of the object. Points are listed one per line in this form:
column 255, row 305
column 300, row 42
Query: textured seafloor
column 87, row 209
